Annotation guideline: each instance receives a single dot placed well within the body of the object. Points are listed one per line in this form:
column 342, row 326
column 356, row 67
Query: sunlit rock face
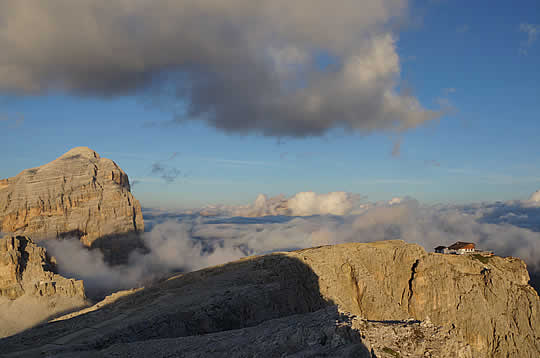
column 488, row 300
column 77, row 195
column 30, row 290
column 535, row 197
column 390, row 298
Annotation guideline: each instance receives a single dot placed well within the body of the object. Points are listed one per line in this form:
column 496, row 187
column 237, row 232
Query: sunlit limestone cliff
column 30, row 289
column 78, row 195
column 382, row 299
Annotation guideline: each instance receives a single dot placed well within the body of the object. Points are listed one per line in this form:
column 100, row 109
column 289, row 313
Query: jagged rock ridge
column 391, row 298
column 79, row 194
column 30, row 289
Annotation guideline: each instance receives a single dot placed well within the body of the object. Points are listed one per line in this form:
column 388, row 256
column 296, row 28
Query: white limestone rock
column 79, row 194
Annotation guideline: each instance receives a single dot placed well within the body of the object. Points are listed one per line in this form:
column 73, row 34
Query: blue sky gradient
column 470, row 58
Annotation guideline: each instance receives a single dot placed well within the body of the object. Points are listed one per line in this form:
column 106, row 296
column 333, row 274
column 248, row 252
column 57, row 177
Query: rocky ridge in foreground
column 78, row 195
column 386, row 298
column 30, row 289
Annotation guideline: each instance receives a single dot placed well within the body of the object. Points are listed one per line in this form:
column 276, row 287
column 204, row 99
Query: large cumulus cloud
column 305, row 203
column 280, row 67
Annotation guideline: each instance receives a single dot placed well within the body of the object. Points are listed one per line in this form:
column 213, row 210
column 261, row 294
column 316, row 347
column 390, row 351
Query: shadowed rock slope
column 78, row 195
column 30, row 290
column 383, row 299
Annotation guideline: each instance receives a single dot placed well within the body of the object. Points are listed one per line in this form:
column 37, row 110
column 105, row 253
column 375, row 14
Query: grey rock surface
column 78, row 195
column 387, row 298
column 30, row 290
column 324, row 333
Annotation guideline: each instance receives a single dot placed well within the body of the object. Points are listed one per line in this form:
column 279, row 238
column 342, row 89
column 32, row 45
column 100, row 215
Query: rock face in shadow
column 30, row 290
column 383, row 299
column 78, row 195
column 323, row 333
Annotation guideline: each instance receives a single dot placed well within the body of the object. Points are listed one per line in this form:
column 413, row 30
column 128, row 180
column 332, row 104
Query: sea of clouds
column 181, row 242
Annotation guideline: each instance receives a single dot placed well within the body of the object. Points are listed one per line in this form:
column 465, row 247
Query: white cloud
column 395, row 201
column 532, row 33
column 180, row 242
column 301, row 204
column 310, row 203
column 240, row 65
column 400, row 218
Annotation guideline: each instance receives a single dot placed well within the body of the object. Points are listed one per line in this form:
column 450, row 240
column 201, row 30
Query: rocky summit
column 78, row 195
column 30, row 289
column 382, row 299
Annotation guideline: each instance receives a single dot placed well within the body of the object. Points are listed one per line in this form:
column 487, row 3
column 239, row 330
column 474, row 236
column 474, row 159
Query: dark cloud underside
column 284, row 68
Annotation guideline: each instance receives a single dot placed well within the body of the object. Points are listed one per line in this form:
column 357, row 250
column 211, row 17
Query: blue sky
column 478, row 61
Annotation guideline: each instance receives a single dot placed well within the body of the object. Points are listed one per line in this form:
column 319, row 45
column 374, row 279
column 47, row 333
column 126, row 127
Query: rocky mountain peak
column 80, row 195
column 84, row 152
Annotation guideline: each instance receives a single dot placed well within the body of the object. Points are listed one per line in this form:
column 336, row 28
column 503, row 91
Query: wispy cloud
column 170, row 173
column 532, row 34
column 167, row 173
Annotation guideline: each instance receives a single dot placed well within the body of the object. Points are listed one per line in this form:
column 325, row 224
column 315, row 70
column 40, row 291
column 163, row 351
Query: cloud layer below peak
column 185, row 242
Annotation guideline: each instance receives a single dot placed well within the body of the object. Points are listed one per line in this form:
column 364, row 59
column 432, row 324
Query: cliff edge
column 382, row 299
column 30, row 289
column 78, row 195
